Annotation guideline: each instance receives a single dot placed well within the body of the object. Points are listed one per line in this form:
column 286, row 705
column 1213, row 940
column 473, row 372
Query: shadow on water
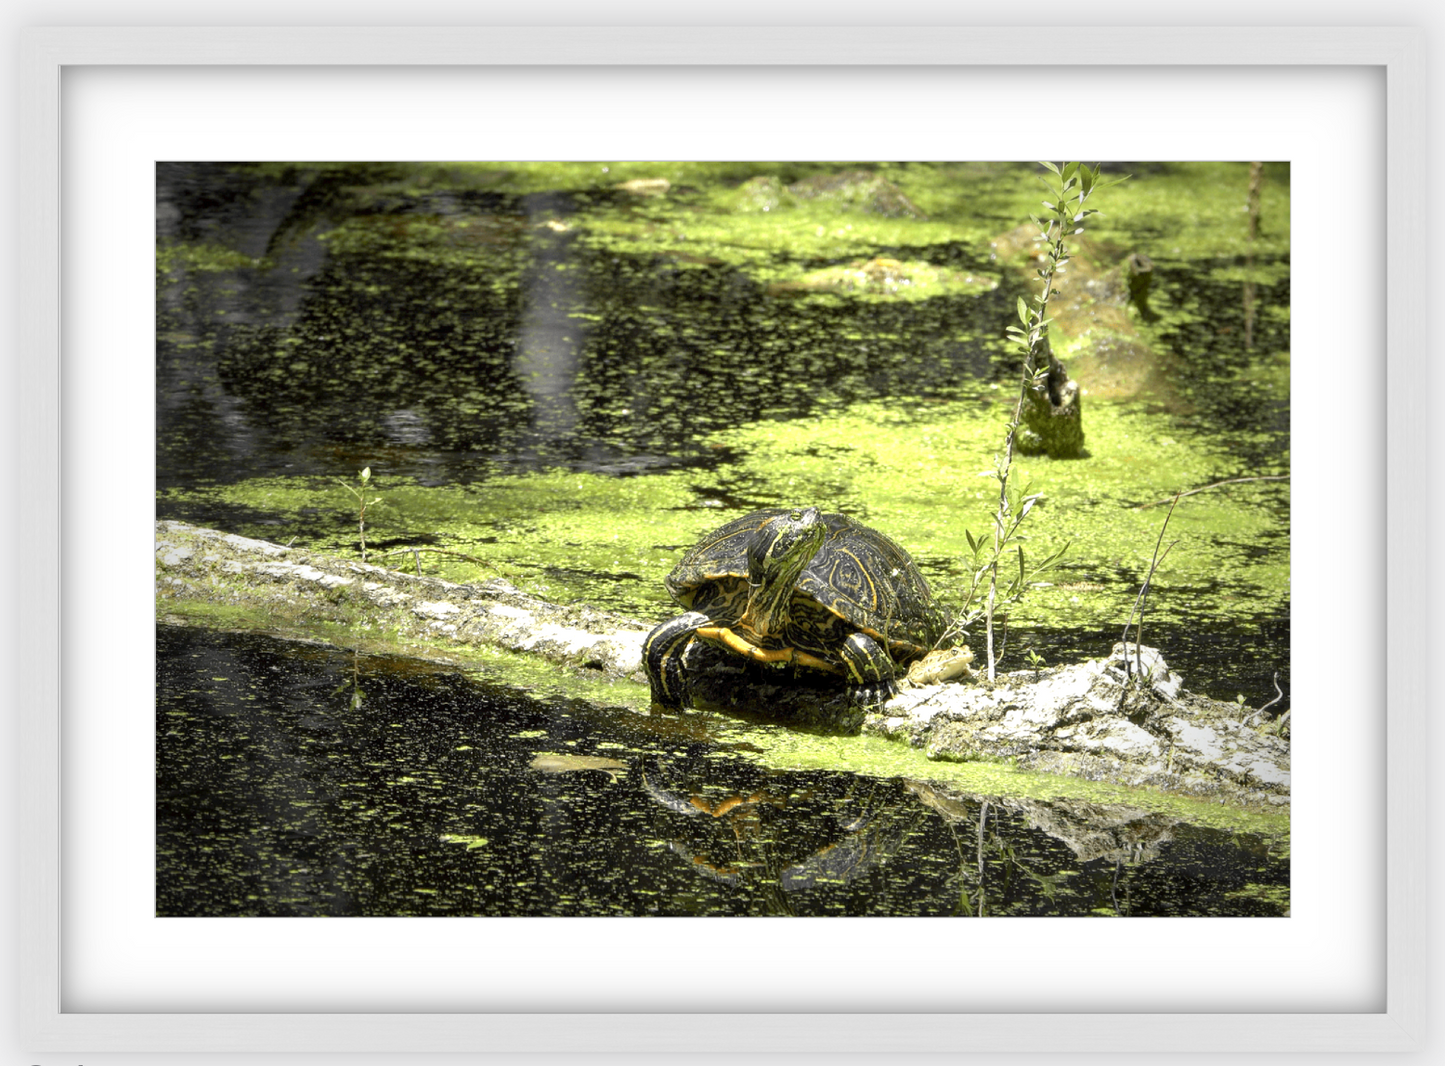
column 295, row 779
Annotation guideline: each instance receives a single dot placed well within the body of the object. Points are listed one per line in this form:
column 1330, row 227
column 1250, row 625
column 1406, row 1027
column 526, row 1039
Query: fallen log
column 1087, row 720
column 298, row 589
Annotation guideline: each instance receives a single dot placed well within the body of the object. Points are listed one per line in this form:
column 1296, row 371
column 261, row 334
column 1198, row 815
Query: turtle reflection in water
column 782, row 834
column 797, row 586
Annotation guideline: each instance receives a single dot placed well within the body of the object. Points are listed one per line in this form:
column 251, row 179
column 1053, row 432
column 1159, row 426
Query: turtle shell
column 859, row 579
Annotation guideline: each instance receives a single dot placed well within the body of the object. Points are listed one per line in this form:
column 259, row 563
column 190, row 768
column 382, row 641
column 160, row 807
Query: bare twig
column 1205, row 488
column 1279, row 695
column 439, row 551
column 1143, row 593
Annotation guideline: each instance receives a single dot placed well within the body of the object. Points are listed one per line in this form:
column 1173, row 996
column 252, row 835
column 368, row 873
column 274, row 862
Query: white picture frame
column 1400, row 1025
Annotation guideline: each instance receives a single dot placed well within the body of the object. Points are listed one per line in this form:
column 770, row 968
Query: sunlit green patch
column 881, row 278
column 789, row 749
column 211, row 258
column 1195, row 210
column 1260, row 274
column 718, row 216
column 1276, row 895
column 556, row 534
column 1272, row 374
column 357, row 630
column 495, row 243
column 924, row 476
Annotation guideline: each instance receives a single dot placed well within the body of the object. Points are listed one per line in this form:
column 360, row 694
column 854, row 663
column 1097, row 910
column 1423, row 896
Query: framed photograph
column 130, row 134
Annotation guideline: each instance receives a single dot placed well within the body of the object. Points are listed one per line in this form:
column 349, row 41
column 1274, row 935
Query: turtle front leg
column 870, row 670
column 662, row 654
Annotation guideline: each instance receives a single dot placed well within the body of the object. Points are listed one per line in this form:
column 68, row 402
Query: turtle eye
column 795, row 516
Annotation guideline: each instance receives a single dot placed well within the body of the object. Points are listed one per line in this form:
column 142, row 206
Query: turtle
column 821, row 591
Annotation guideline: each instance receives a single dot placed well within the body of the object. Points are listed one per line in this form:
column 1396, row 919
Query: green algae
column 1275, row 895
column 1196, row 210
column 358, row 632
column 471, row 840
column 568, row 537
column 1183, row 210
column 781, row 748
column 921, row 474
column 924, row 476
column 180, row 257
column 723, row 222
column 882, row 278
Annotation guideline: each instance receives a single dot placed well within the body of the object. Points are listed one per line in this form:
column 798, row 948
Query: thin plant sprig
column 1141, row 599
column 986, row 555
column 1070, row 187
column 362, row 503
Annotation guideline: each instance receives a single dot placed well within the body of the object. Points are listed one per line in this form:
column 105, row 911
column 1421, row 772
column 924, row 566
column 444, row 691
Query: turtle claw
column 874, row 693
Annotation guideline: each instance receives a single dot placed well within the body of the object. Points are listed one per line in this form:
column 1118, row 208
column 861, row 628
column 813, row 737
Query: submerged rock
column 882, row 276
column 860, row 190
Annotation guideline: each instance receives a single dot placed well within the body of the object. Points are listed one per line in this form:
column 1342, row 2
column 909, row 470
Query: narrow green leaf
column 1023, row 311
column 1045, row 163
column 1052, row 559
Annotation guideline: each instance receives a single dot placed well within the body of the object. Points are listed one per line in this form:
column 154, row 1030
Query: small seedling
column 1141, row 600
column 363, row 503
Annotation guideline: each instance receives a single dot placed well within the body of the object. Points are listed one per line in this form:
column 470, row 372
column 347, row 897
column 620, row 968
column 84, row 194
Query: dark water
column 279, row 792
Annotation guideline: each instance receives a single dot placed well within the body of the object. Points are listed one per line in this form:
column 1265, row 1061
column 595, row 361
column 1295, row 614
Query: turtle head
column 777, row 554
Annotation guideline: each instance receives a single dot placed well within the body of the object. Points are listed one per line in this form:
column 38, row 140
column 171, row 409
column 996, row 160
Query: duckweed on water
column 918, row 473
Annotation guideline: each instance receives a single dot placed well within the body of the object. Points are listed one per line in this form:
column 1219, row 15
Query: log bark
column 291, row 589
